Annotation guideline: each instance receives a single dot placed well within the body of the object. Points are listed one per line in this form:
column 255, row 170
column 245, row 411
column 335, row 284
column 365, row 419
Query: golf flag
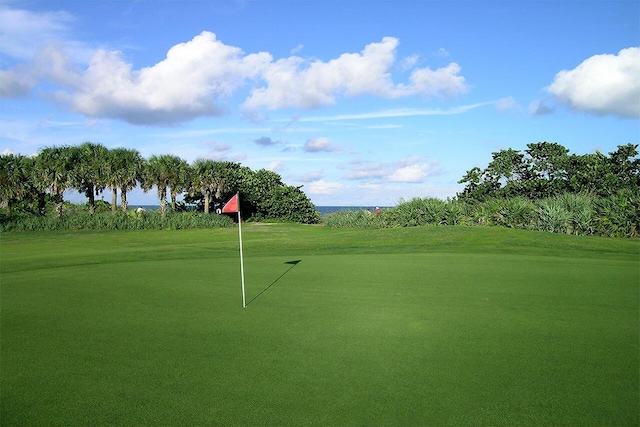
column 232, row 206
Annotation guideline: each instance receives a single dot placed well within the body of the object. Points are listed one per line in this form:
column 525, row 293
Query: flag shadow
column 292, row 263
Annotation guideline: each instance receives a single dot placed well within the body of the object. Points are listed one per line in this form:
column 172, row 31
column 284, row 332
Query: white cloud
column 197, row 77
column 315, row 145
column 399, row 112
column 276, row 165
column 410, row 173
column 361, row 170
column 192, row 81
column 441, row 82
column 14, row 84
column 24, row 32
column 406, row 170
column 323, row 187
column 602, row 84
column 293, row 82
column 410, row 62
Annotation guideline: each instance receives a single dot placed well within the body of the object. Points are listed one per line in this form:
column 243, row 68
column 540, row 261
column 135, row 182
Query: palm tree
column 53, row 168
column 90, row 171
column 124, row 169
column 14, row 179
column 211, row 178
column 166, row 171
column 179, row 175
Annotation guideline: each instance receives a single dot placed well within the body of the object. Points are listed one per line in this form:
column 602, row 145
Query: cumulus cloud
column 443, row 82
column 190, row 82
column 410, row 173
column 197, row 77
column 293, row 82
column 602, row 85
column 315, row 145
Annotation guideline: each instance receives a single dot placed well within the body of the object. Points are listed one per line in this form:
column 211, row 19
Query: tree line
column 544, row 189
column 34, row 182
column 546, row 169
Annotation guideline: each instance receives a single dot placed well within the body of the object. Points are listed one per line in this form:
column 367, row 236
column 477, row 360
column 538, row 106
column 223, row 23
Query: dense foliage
column 78, row 217
column 578, row 214
column 547, row 169
column 544, row 189
column 32, row 189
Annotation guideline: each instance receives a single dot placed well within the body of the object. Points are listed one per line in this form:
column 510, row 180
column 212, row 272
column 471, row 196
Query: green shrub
column 581, row 214
column 354, row 219
column 428, row 211
column 619, row 215
column 553, row 217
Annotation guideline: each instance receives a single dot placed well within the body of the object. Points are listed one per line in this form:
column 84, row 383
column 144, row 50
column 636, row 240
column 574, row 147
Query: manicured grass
column 420, row 326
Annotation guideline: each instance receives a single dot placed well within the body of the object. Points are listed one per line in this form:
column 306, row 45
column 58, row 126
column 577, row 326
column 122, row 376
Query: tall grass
column 579, row 214
column 121, row 221
column 619, row 215
column 354, row 219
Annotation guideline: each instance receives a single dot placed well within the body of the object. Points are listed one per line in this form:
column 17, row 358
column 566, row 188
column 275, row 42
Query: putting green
column 127, row 333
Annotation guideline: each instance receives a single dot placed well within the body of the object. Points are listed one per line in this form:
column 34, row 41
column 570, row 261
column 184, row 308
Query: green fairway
column 411, row 326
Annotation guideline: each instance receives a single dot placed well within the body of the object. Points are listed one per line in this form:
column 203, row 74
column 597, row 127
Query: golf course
column 447, row 325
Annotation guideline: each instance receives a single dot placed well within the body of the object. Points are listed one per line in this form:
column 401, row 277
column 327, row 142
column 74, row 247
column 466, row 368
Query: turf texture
column 422, row 326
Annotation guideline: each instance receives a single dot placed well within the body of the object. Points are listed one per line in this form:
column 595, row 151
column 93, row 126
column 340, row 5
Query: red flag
column 231, row 206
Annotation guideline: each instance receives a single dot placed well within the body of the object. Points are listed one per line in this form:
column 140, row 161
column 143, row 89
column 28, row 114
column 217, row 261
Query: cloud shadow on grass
column 292, row 263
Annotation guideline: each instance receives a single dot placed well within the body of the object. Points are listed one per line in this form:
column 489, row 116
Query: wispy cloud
column 539, row 108
column 406, row 170
column 266, row 141
column 400, row 112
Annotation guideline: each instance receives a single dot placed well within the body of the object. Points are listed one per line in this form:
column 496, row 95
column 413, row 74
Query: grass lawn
column 416, row 326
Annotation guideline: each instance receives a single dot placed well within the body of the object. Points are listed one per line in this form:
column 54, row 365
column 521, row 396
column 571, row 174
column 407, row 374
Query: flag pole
column 244, row 305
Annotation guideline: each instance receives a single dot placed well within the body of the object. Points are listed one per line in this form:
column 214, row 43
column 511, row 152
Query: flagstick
column 241, row 258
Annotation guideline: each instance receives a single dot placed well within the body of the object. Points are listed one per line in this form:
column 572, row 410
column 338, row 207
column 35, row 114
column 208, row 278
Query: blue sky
column 361, row 102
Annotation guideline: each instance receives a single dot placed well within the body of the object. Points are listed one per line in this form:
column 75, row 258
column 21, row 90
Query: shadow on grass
column 292, row 263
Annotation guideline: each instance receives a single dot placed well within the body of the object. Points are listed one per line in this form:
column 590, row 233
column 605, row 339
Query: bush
column 553, row 217
column 619, row 215
column 581, row 214
column 429, row 211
